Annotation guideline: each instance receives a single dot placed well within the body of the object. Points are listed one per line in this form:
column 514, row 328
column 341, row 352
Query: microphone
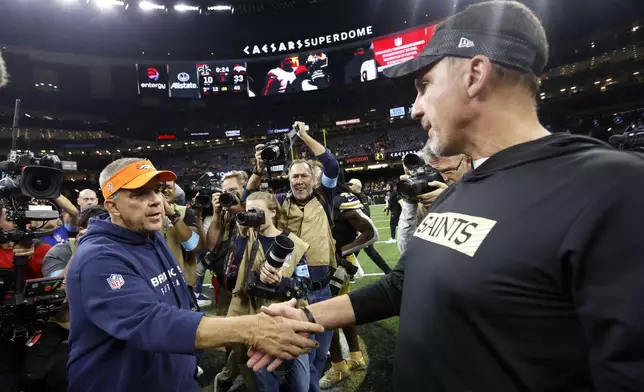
column 616, row 140
column 8, row 166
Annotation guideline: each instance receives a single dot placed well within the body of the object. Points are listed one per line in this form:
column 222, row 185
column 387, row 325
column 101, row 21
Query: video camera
column 420, row 176
column 275, row 257
column 206, row 186
column 27, row 177
column 630, row 140
column 278, row 149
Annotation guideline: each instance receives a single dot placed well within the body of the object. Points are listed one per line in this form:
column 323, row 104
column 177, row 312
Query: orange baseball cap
column 134, row 176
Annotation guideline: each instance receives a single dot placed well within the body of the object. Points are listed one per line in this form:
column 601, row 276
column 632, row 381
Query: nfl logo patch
column 115, row 281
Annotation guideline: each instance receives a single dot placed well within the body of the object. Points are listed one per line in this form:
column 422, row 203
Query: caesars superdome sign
column 308, row 43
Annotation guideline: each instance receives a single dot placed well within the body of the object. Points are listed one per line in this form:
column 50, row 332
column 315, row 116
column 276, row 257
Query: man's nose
column 416, row 110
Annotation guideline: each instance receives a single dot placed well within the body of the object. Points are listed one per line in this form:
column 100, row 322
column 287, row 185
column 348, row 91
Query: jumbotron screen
column 222, row 78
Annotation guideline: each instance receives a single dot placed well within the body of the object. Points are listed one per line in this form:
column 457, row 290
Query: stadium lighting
column 108, row 4
column 636, row 73
column 150, row 6
column 185, row 8
column 220, row 8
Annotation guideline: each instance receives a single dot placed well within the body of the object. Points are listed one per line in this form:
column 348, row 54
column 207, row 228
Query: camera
column 344, row 272
column 251, row 218
column 228, row 199
column 421, row 175
column 276, row 256
column 206, row 186
column 276, row 149
column 30, row 177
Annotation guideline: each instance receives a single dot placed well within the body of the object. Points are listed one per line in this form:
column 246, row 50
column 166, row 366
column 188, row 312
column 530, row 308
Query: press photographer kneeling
column 274, row 272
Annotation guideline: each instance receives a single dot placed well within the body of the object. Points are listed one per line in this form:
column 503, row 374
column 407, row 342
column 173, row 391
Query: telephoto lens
column 228, row 200
column 271, row 153
column 251, row 218
column 413, row 161
column 281, row 248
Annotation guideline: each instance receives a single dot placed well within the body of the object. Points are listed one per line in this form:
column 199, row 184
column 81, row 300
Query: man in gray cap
column 525, row 275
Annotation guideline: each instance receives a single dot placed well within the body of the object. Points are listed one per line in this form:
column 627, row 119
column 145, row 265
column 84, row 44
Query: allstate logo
column 183, row 77
column 153, row 74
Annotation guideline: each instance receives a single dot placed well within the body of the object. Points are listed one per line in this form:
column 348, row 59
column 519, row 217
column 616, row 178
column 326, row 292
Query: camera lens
column 41, row 182
column 410, row 189
column 282, row 247
column 270, row 153
column 251, row 218
column 413, row 161
column 228, row 200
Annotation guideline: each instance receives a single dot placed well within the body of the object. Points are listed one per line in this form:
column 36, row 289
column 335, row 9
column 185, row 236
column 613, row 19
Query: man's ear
column 479, row 75
column 111, row 208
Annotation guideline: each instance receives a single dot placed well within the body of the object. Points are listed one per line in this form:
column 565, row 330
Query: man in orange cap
column 132, row 318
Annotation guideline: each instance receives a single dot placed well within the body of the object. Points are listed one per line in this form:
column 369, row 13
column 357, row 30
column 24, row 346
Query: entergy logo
column 398, row 41
column 153, row 74
column 183, row 77
column 465, row 43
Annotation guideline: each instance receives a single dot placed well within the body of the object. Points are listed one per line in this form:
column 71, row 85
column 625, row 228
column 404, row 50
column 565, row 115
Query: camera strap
column 249, row 266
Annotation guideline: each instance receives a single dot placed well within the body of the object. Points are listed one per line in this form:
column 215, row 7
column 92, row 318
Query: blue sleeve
column 133, row 312
column 330, row 169
column 281, row 198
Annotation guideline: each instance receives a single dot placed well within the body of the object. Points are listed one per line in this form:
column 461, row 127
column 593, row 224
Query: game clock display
column 222, row 78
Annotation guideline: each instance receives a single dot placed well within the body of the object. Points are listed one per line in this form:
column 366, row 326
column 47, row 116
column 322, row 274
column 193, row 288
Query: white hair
column 113, row 168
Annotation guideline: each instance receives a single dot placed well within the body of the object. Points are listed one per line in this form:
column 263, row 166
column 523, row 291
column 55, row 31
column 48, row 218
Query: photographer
column 394, row 208
column 525, row 275
column 451, row 169
column 308, row 214
column 132, row 316
column 63, row 228
column 181, row 231
column 220, row 228
column 58, row 257
column 259, row 283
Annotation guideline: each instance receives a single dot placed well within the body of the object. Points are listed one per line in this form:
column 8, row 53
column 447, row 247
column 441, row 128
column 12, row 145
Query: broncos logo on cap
column 146, row 167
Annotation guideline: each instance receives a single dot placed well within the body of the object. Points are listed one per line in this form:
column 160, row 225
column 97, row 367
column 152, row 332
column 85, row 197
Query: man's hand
column 259, row 162
column 24, row 250
column 169, row 211
column 303, row 130
column 259, row 359
column 429, row 198
column 278, row 336
column 270, row 275
column 215, row 204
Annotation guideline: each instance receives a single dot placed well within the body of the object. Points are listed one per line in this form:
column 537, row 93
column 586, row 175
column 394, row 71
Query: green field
column 378, row 338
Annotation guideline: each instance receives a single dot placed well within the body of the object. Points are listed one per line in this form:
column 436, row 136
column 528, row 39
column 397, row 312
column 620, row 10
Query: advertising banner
column 152, row 80
column 403, row 47
column 354, row 160
column 183, row 81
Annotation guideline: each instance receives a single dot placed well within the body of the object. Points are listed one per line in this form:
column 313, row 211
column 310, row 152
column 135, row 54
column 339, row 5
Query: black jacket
column 527, row 275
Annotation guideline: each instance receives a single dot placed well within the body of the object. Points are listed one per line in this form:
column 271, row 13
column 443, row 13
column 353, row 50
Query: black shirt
column 343, row 232
column 527, row 275
column 394, row 203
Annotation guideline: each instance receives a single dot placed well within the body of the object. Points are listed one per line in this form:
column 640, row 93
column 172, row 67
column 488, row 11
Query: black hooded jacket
column 526, row 275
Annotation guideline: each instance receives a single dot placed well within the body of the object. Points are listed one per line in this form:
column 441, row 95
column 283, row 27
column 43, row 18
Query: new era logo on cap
column 465, row 43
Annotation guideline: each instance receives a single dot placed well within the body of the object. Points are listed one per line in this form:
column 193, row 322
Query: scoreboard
column 222, row 78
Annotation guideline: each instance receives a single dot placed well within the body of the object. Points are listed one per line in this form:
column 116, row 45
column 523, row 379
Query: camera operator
column 181, row 231
column 63, row 228
column 308, row 215
column 132, row 316
column 12, row 370
column 86, row 198
column 356, row 187
column 451, row 169
column 58, row 257
column 259, row 283
column 525, row 275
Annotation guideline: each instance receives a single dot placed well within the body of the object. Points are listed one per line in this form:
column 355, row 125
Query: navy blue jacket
column 131, row 327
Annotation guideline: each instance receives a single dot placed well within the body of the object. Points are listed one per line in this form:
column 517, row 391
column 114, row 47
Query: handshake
column 281, row 334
